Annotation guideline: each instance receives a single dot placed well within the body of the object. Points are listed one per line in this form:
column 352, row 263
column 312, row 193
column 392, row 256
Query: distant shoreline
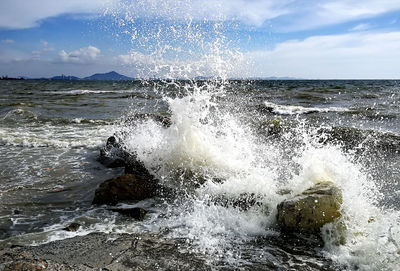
column 11, row 78
column 181, row 80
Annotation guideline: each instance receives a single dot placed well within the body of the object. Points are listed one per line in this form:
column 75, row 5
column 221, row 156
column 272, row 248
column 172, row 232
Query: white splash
column 297, row 109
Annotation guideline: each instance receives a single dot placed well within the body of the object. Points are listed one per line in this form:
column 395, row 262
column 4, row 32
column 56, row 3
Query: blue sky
column 326, row 39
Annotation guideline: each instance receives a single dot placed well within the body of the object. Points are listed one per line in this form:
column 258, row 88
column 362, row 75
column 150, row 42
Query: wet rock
column 310, row 210
column 112, row 155
column 25, row 266
column 136, row 213
column 136, row 167
column 72, row 227
column 242, row 202
column 128, row 187
column 272, row 127
column 114, row 252
column 14, row 260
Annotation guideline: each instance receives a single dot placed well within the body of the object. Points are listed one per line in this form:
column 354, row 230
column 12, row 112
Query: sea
column 239, row 137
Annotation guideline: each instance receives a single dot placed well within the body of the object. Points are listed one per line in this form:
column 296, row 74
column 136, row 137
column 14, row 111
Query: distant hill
column 108, row 76
column 98, row 76
column 64, row 77
column 114, row 76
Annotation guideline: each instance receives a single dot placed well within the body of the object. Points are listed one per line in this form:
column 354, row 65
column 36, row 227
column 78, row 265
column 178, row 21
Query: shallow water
column 258, row 137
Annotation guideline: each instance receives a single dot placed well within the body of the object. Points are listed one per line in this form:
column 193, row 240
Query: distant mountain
column 64, row 77
column 114, row 76
column 108, row 76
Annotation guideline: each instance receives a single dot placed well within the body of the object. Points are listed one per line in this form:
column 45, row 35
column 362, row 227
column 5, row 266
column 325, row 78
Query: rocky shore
column 300, row 217
column 100, row 251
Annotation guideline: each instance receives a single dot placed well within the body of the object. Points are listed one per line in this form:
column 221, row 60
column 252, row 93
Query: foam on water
column 88, row 91
column 29, row 130
column 294, row 110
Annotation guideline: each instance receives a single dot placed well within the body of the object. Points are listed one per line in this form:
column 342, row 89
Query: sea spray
column 212, row 143
column 209, row 152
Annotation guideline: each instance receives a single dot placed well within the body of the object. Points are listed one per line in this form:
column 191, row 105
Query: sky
column 325, row 39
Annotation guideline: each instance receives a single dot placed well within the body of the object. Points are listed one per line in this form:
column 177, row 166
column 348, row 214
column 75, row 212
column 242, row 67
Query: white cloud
column 360, row 27
column 306, row 14
column 82, row 56
column 17, row 14
column 44, row 43
column 286, row 15
column 35, row 55
column 46, row 46
column 8, row 41
column 349, row 56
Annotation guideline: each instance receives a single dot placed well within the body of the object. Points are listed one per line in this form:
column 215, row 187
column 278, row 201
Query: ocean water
column 227, row 140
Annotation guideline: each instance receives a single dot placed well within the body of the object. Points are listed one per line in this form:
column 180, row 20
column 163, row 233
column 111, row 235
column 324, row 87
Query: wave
column 204, row 141
column 296, row 109
column 347, row 137
column 88, row 91
column 23, row 115
column 19, row 114
column 355, row 138
column 54, row 136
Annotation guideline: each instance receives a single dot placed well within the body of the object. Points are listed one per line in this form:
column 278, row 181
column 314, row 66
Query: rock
column 136, row 213
column 310, row 210
column 72, row 227
column 242, row 202
column 128, row 187
column 25, row 266
column 12, row 260
column 136, row 167
column 112, row 155
column 271, row 127
column 108, row 251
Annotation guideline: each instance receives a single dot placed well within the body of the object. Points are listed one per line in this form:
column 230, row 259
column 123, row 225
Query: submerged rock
column 310, row 210
column 136, row 213
column 128, row 187
column 112, row 155
column 242, row 202
column 72, row 227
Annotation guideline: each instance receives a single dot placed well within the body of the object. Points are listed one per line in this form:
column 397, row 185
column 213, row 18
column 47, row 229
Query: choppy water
column 258, row 137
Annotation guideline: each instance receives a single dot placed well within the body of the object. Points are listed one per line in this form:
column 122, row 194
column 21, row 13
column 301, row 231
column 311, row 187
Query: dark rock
column 136, row 167
column 165, row 121
column 72, row 227
column 136, row 213
column 128, row 187
column 310, row 210
column 243, row 202
column 112, row 155
column 272, row 127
